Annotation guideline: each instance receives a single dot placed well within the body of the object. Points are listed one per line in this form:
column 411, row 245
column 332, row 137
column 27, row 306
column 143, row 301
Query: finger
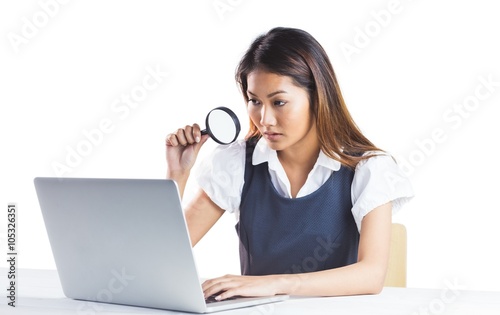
column 213, row 281
column 188, row 133
column 229, row 294
column 205, row 285
column 204, row 139
column 181, row 137
column 213, row 286
column 219, row 290
column 196, row 133
column 209, row 286
column 234, row 288
column 171, row 140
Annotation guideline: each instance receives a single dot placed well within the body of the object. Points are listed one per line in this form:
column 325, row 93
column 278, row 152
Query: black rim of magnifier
column 235, row 120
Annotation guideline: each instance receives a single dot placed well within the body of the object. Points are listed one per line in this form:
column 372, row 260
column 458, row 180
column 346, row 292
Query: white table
column 39, row 292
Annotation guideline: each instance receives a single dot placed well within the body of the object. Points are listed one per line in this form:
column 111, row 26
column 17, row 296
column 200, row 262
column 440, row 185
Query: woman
column 313, row 194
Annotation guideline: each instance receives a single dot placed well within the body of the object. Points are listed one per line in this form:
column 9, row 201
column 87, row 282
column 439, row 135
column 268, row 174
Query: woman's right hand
column 182, row 148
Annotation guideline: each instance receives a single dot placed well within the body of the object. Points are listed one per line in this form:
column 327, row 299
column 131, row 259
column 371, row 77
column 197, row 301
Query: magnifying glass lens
column 223, row 125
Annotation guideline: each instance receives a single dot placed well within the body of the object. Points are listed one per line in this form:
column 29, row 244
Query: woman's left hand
column 231, row 285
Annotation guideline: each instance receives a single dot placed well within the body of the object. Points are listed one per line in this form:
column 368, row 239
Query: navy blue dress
column 280, row 235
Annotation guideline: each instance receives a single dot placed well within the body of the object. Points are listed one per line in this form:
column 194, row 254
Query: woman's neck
column 298, row 163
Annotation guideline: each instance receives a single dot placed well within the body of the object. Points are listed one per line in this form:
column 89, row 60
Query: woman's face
column 281, row 111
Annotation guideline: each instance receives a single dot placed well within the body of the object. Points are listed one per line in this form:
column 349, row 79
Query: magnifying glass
column 222, row 125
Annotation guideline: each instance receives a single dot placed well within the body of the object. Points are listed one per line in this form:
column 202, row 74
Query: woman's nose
column 267, row 116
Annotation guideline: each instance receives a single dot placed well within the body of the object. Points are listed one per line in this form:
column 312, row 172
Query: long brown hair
column 296, row 54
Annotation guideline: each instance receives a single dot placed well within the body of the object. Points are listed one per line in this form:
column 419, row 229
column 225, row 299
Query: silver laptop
column 125, row 241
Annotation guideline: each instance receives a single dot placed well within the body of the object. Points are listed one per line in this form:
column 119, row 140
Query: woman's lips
column 273, row 136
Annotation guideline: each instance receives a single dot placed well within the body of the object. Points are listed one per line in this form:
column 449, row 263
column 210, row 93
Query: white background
column 411, row 67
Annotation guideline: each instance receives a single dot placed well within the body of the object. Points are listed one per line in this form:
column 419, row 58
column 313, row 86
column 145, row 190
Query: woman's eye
column 279, row 103
column 253, row 101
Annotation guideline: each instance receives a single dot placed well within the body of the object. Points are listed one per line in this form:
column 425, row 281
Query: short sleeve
column 221, row 175
column 377, row 181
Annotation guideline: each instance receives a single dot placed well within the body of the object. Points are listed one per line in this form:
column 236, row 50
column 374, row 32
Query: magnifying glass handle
column 204, row 132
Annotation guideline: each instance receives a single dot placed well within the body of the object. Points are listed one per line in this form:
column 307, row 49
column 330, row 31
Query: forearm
column 180, row 178
column 201, row 214
column 182, row 148
column 359, row 278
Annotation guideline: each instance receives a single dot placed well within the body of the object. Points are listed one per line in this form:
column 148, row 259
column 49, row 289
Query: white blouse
column 377, row 180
